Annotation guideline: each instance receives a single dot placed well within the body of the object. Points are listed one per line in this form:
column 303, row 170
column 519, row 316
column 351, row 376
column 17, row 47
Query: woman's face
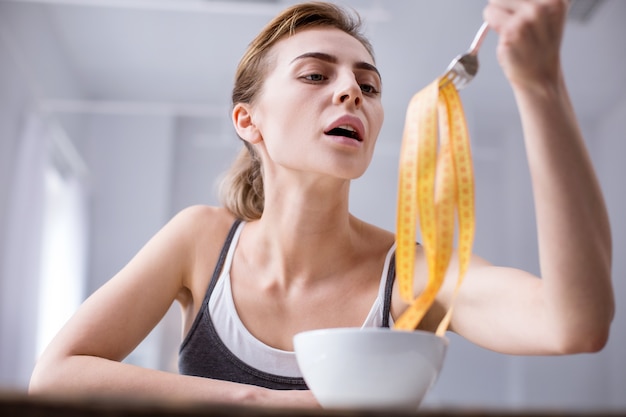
column 320, row 107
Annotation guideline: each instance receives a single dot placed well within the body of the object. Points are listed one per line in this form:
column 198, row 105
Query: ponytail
column 241, row 188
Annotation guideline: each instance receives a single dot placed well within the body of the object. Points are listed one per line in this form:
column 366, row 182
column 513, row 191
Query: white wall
column 18, row 89
column 13, row 102
column 130, row 163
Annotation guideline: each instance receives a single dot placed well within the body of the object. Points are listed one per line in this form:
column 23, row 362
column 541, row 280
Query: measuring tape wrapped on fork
column 436, row 182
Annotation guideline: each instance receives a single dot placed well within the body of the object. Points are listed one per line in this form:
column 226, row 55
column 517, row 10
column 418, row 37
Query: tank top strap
column 391, row 276
column 225, row 258
column 216, row 274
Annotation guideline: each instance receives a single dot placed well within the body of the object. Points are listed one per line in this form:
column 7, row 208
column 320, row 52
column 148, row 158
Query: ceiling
column 179, row 56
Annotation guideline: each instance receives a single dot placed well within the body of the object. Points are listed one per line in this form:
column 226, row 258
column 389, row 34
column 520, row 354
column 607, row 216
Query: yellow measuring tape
column 436, row 182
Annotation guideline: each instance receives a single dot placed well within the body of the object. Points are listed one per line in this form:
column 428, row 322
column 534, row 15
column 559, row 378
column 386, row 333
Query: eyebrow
column 333, row 60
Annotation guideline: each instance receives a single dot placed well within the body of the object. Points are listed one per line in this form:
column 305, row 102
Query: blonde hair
column 241, row 188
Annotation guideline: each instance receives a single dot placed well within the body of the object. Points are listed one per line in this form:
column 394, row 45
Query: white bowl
column 369, row 368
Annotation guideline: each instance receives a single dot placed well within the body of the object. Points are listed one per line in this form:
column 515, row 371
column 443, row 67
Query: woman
column 307, row 105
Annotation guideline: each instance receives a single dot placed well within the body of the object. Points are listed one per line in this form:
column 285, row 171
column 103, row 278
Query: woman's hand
column 530, row 34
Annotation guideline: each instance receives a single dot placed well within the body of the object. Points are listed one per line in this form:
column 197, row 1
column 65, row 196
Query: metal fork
column 464, row 67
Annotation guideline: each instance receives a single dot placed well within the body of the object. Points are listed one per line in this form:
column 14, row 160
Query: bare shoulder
column 203, row 229
column 201, row 216
column 375, row 238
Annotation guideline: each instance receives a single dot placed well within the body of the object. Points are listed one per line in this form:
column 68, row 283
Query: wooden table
column 21, row 404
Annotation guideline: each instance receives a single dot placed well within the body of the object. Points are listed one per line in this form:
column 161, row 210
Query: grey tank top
column 203, row 353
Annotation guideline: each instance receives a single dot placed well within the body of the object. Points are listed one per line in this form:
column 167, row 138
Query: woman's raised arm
column 571, row 307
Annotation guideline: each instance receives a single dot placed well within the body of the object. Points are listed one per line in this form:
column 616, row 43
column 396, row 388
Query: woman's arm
column 571, row 307
column 85, row 357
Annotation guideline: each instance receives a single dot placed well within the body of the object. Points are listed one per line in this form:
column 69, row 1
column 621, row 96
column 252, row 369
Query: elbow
column 592, row 342
column 45, row 378
column 590, row 339
column 596, row 333
column 586, row 342
column 599, row 343
column 587, row 330
column 39, row 384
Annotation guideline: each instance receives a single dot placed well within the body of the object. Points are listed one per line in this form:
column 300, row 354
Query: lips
column 347, row 126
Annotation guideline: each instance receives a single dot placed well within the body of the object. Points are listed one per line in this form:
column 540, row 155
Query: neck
column 306, row 232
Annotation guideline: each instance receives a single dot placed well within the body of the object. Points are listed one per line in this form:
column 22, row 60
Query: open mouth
column 345, row 131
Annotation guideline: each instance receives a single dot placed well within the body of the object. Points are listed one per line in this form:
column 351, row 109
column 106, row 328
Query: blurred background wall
column 114, row 115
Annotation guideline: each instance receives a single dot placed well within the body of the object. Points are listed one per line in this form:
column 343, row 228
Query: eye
column 315, row 78
column 369, row 89
column 369, row 83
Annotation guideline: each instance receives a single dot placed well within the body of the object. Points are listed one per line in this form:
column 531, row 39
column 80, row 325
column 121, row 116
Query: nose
column 348, row 91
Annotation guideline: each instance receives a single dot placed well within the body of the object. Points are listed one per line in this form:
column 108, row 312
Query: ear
column 244, row 125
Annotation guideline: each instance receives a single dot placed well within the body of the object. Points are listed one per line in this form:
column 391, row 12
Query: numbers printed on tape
column 436, row 181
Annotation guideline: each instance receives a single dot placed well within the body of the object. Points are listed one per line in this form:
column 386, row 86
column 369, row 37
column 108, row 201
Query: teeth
column 346, row 127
